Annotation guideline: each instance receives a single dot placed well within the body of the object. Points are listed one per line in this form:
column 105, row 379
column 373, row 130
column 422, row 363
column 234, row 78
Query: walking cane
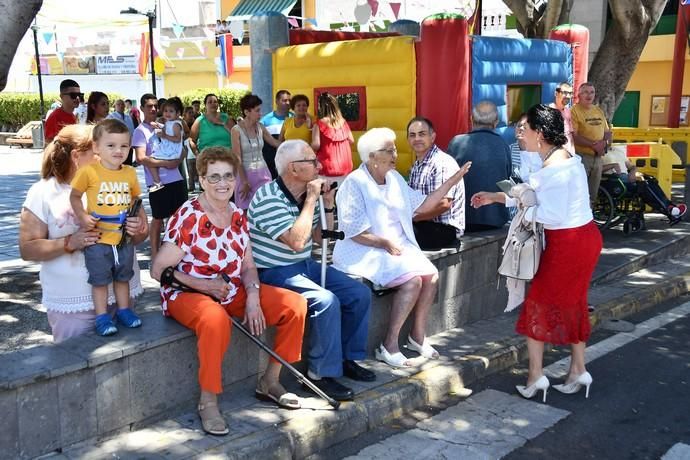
column 168, row 278
column 325, row 235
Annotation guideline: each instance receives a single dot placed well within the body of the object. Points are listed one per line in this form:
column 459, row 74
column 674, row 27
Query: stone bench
column 54, row 395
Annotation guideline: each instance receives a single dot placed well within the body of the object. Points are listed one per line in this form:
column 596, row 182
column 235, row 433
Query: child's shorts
column 100, row 263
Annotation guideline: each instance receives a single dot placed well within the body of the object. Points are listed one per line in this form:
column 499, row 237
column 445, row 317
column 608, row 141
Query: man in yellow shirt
column 591, row 135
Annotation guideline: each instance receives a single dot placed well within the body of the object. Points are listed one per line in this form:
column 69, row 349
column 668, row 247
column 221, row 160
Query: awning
column 248, row 8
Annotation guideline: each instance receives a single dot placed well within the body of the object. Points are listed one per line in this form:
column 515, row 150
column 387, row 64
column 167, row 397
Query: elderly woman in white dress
column 375, row 210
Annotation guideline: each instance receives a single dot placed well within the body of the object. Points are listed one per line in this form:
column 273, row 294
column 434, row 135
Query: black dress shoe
column 332, row 388
column 354, row 371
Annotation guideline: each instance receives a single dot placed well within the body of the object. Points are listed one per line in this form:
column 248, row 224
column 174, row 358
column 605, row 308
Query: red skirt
column 555, row 310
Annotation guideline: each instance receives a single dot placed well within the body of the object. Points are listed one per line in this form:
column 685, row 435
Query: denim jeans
column 338, row 316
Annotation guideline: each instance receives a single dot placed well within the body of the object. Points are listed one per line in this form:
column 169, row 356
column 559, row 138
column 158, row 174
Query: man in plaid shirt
column 443, row 226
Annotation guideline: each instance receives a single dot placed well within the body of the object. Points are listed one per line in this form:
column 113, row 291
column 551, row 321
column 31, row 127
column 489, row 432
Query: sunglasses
column 215, row 178
column 313, row 161
column 74, row 95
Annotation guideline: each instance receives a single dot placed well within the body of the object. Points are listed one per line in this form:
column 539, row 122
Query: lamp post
column 151, row 15
column 34, row 29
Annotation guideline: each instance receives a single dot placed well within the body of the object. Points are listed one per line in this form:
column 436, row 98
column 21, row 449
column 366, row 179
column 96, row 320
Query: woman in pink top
column 332, row 139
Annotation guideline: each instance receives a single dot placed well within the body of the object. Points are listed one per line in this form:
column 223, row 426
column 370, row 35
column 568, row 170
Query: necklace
column 550, row 152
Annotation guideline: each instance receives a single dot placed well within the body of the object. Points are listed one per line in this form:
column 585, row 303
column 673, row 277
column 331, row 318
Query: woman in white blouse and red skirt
column 555, row 309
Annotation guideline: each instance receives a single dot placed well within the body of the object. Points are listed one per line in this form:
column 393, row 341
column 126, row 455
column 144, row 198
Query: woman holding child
column 206, row 248
column 375, row 210
column 555, row 309
column 50, row 233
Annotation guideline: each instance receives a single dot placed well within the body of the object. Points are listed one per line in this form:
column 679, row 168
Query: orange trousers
column 210, row 321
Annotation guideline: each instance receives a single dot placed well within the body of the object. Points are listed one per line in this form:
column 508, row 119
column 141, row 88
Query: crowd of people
column 242, row 247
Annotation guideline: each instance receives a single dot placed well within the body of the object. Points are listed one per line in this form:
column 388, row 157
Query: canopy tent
column 248, row 8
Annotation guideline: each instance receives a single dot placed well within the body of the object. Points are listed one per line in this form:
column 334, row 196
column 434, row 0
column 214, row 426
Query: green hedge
column 17, row 109
column 229, row 98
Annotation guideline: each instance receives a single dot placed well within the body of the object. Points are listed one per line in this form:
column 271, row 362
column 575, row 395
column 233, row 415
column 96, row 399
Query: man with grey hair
column 283, row 222
column 490, row 157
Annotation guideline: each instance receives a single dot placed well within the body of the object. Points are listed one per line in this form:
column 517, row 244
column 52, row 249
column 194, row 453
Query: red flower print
column 204, row 227
column 211, row 244
column 200, row 254
column 222, row 255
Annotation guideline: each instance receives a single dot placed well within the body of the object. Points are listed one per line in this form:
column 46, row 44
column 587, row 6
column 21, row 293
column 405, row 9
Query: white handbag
column 522, row 248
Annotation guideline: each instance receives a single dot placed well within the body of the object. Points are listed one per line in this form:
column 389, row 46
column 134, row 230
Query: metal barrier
column 677, row 138
column 655, row 159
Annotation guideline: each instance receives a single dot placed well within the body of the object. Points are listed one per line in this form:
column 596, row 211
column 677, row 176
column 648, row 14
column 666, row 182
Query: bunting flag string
column 293, row 22
column 48, row 37
column 374, row 5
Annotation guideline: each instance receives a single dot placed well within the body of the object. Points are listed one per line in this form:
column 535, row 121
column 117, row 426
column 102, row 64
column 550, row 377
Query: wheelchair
column 619, row 202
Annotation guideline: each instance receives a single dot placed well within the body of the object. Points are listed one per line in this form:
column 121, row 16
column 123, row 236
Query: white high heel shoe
column 584, row 379
column 528, row 392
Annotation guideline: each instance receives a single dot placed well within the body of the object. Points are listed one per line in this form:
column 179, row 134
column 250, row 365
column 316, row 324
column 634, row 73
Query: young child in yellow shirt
column 110, row 188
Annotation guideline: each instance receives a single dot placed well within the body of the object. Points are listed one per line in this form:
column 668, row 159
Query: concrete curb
column 299, row 438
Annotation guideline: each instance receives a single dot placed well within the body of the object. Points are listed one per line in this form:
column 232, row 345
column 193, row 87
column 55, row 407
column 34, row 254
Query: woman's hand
column 217, row 288
column 391, row 248
column 83, row 238
column 244, row 190
column 480, row 199
column 253, row 315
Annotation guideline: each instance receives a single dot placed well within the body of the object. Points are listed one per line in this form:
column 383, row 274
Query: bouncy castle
column 436, row 70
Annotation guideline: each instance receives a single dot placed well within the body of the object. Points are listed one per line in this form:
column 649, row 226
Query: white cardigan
column 363, row 205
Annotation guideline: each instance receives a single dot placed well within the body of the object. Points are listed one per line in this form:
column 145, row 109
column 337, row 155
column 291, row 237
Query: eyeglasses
column 313, row 161
column 565, row 93
column 74, row 95
column 391, row 150
column 215, row 178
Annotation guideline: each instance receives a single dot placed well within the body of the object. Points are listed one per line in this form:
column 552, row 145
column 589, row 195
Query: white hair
column 372, row 140
column 485, row 115
column 288, row 152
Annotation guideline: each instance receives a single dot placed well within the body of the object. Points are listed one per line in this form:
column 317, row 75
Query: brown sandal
column 277, row 394
column 212, row 423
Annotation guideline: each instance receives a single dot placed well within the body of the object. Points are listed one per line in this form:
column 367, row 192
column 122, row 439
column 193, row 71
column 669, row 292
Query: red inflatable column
column 578, row 38
column 443, row 76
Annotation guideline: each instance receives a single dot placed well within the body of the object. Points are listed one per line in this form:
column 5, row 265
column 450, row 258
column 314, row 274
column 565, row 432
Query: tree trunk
column 620, row 51
column 536, row 22
column 15, row 19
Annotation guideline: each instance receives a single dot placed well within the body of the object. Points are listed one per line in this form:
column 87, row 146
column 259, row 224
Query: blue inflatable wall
column 498, row 62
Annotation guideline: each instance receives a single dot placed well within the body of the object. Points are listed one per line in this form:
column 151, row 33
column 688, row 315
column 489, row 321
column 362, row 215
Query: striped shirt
column 272, row 213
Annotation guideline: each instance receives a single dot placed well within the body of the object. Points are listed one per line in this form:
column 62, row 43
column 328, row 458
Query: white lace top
column 63, row 279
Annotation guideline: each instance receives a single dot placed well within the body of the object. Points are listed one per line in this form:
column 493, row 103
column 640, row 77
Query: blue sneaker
column 127, row 317
column 105, row 325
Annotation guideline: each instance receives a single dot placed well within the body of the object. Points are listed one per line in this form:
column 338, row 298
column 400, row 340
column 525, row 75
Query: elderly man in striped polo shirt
column 283, row 221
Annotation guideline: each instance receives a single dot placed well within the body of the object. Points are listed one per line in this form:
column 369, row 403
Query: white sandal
column 425, row 349
column 394, row 360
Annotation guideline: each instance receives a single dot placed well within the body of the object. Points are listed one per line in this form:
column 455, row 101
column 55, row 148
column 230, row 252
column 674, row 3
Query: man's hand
column 314, row 188
column 328, row 194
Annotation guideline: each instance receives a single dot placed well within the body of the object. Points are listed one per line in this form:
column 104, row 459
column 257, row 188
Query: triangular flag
column 200, row 45
column 177, row 30
column 60, row 55
column 396, row 8
column 72, row 40
column 180, row 52
column 293, row 22
column 312, row 21
column 48, row 37
column 374, row 6
column 380, row 24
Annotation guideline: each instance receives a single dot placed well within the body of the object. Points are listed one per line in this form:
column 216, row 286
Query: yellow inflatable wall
column 385, row 66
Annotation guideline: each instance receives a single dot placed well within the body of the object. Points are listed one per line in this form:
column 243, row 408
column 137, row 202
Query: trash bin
column 37, row 136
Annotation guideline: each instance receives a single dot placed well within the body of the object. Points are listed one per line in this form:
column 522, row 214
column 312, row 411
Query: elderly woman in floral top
column 206, row 243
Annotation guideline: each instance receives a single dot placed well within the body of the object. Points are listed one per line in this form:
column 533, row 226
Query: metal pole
column 34, row 28
column 678, row 66
column 152, row 17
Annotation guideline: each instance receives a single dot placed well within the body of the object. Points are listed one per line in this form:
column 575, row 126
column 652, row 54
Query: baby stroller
column 619, row 201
